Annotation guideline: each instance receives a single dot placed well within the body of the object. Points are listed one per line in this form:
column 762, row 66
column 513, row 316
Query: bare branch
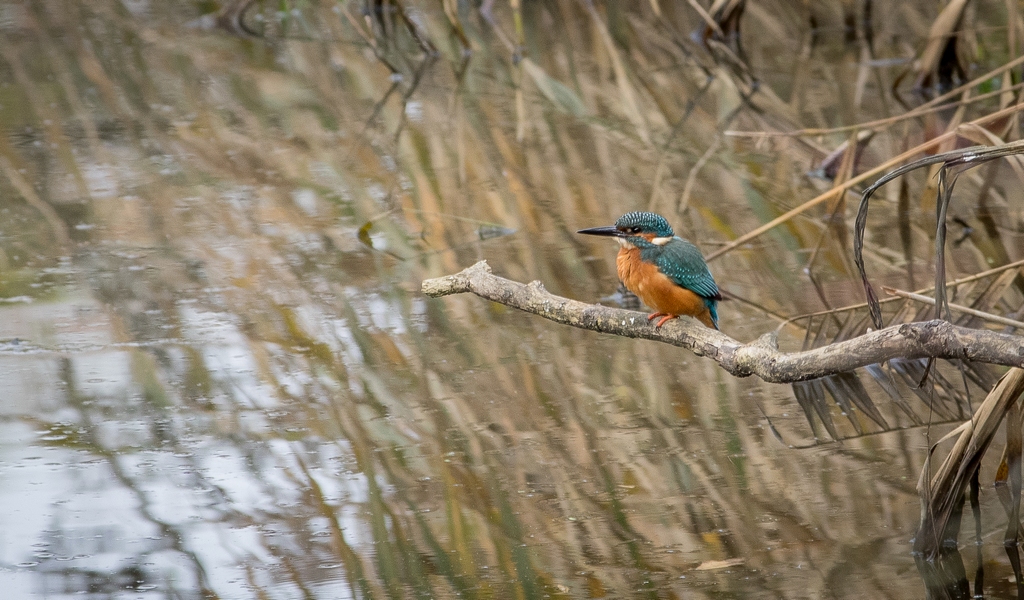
column 927, row 339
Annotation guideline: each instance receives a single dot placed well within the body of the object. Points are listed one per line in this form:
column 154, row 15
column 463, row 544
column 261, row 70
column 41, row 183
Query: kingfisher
column 665, row 271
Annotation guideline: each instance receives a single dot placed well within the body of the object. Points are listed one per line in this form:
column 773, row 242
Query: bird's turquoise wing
column 685, row 266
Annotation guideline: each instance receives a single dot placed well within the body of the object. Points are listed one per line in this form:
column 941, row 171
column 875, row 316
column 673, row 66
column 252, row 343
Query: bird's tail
column 712, row 311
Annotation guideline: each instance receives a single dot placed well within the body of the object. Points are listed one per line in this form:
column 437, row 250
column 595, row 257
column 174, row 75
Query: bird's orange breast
column 656, row 290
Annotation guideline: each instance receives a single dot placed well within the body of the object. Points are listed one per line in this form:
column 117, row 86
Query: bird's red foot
column 661, row 321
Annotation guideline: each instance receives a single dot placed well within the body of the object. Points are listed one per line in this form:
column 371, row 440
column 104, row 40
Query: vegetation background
column 220, row 379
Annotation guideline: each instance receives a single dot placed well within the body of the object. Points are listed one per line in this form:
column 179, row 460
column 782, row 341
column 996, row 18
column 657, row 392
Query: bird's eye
column 634, row 230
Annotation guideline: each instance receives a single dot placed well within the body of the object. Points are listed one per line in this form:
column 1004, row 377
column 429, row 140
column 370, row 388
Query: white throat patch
column 624, row 242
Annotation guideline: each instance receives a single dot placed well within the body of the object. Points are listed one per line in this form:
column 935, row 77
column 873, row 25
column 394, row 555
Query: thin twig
column 859, row 305
column 923, row 147
column 926, row 108
column 958, row 307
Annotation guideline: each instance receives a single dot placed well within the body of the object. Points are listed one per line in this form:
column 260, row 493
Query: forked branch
column 927, row 339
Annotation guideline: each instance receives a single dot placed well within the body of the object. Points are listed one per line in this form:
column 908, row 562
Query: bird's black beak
column 609, row 231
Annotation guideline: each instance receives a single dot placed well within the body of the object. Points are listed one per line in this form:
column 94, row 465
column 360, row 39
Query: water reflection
column 221, row 380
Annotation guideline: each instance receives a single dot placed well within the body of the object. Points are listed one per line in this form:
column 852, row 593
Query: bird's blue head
column 641, row 223
column 637, row 229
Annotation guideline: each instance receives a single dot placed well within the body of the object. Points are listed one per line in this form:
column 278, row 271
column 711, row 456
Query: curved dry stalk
column 952, row 164
column 928, row 339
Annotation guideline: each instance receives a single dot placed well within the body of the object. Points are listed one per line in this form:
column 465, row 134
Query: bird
column 665, row 271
